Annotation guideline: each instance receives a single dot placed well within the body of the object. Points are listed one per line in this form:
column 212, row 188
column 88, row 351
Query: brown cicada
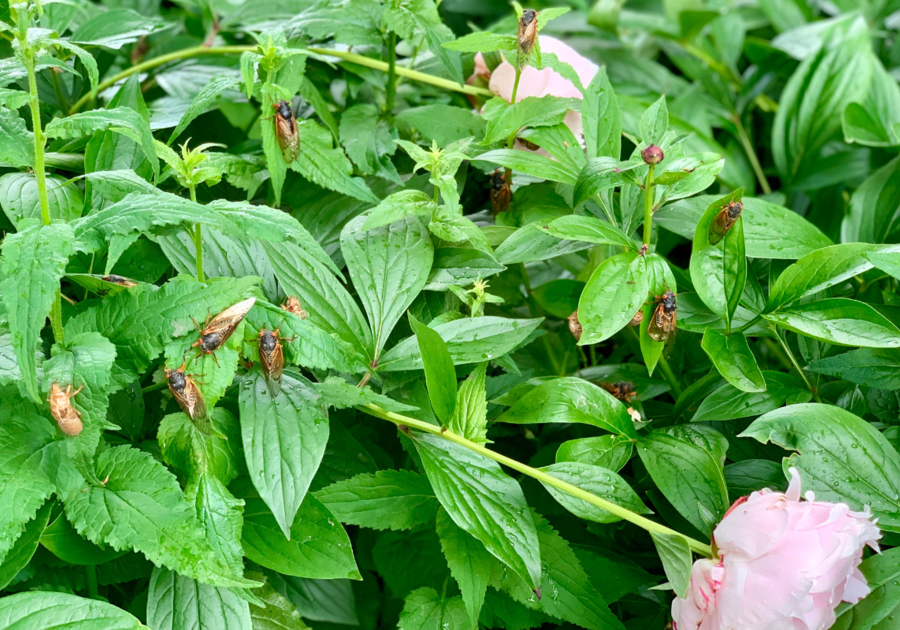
column 68, row 418
column 120, row 280
column 292, row 305
column 500, row 191
column 662, row 323
column 621, row 390
column 286, row 131
column 189, row 398
column 575, row 325
column 724, row 220
column 271, row 356
column 527, row 35
column 217, row 330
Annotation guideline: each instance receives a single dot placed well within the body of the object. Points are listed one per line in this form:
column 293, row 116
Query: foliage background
column 329, row 505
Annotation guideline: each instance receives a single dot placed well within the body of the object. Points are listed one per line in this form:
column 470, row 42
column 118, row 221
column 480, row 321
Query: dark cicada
column 662, row 323
column 121, row 281
column 724, row 220
column 68, row 418
column 286, row 131
column 621, row 390
column 271, row 357
column 215, row 332
column 500, row 191
column 189, row 398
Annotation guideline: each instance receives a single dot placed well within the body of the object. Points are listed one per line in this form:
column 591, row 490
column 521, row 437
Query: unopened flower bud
column 652, row 154
column 575, row 325
column 527, row 36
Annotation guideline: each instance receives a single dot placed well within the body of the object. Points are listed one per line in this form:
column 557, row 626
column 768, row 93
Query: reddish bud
column 652, row 154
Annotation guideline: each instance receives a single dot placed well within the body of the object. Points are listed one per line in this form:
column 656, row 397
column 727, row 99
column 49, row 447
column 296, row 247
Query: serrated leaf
column 192, row 454
column 279, row 612
column 34, row 260
column 470, row 417
column 482, row 500
column 338, row 393
column 16, row 142
column 284, row 440
column 116, row 28
column 61, row 610
column 221, row 516
column 141, row 506
column 469, row 562
column 424, row 609
column 175, row 602
column 22, row 551
column 397, row 206
column 368, row 141
column 20, row 200
column 387, row 499
column 203, row 100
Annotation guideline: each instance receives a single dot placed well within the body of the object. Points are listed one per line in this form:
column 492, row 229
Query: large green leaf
column 839, row 321
column 63, row 611
column 589, row 229
column 571, row 399
column 22, row 551
column 734, row 360
column 601, row 482
column 20, row 200
column 877, row 610
column 425, row 609
column 530, row 243
column 601, row 119
column 389, row 266
column 729, row 403
column 675, row 554
column 840, row 457
column 34, row 259
column 175, row 602
column 616, row 291
column 874, row 367
column 284, row 438
column 484, row 501
column 469, row 562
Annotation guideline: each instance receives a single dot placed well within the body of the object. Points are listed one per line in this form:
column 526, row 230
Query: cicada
column 286, row 131
column 500, row 191
column 575, row 325
column 724, row 220
column 621, row 390
column 527, row 35
column 662, row 323
column 189, row 398
column 68, row 418
column 121, row 281
column 292, row 305
column 271, row 356
column 216, row 332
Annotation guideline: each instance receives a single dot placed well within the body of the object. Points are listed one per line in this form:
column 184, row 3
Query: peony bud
column 527, row 36
column 783, row 563
column 652, row 154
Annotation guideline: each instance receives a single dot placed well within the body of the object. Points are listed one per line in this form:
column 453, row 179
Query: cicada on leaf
column 724, row 220
column 621, row 390
column 189, row 398
column 286, row 131
column 217, row 330
column 500, row 191
column 67, row 417
column 662, row 323
column 271, row 357
column 120, row 280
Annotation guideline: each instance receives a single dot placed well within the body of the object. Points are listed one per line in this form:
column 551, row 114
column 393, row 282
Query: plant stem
column 392, row 73
column 751, row 155
column 511, row 140
column 747, row 325
column 787, row 351
column 648, row 204
column 197, row 236
column 670, row 377
column 628, row 515
column 91, row 572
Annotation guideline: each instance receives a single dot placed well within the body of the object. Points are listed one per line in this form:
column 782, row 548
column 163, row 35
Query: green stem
column 155, row 387
column 670, row 377
column 747, row 325
column 648, row 204
column 751, row 155
column 91, row 572
column 544, row 478
column 197, row 236
column 511, row 140
column 392, row 73
column 787, row 351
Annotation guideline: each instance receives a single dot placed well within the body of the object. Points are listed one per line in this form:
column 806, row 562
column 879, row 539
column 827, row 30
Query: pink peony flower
column 546, row 82
column 784, row 564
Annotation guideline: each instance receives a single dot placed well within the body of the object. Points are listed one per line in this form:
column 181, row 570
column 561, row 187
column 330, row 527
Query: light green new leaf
column 440, row 375
column 470, row 417
column 675, row 554
column 284, row 440
column 482, row 41
column 655, row 122
column 175, row 602
column 34, row 259
column 504, row 119
column 397, row 206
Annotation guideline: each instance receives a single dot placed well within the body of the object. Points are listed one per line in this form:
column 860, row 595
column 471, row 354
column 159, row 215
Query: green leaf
column 221, row 516
column 319, row 547
column 387, row 499
column 606, row 451
column 19, row 198
column 62, row 611
column 839, row 456
column 440, row 375
column 115, row 28
column 616, row 291
column 470, row 417
column 482, row 500
column 469, row 340
column 325, row 166
column 424, row 609
column 22, row 551
column 504, row 119
column 879, row 606
column 872, row 206
column 202, row 102
column 141, row 506
column 469, row 562
column 191, row 454
column 16, row 142
column 279, row 612
column 284, row 440
column 482, row 41
column 719, row 271
column 689, row 477
column 820, row 270
column 352, row 22
column 389, row 266
column 123, row 120
column 729, row 403
column 874, row 367
column 65, row 543
column 530, row 244
column 368, row 141
column 601, row 482
column 445, row 124
column 571, row 399
column 34, row 259
column 398, row 206
column 600, row 174
column 175, row 602
column 531, row 164
column 840, row 321
column 559, row 297
column 460, row 266
column 734, row 360
column 675, row 554
column 590, row 230
column 655, row 122
column 601, row 119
